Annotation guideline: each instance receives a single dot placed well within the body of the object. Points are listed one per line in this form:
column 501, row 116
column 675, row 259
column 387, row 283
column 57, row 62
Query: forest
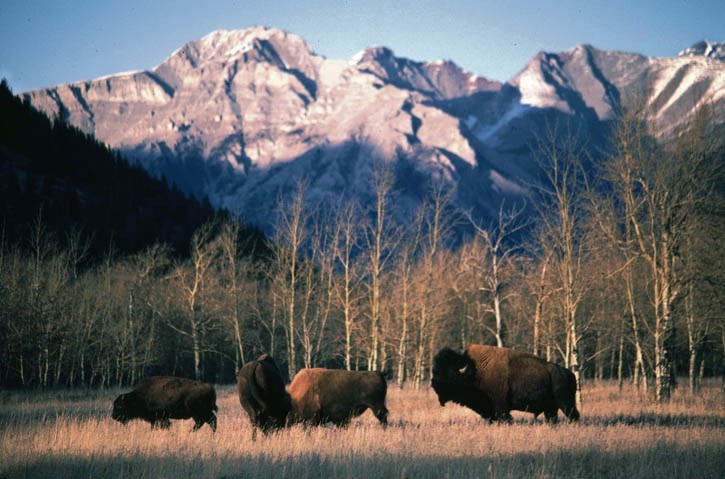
column 614, row 269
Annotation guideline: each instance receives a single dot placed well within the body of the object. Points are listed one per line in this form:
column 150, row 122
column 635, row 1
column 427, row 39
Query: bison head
column 266, row 386
column 452, row 373
column 123, row 409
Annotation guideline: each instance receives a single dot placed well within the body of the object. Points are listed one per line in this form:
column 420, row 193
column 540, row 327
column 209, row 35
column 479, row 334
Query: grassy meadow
column 70, row 434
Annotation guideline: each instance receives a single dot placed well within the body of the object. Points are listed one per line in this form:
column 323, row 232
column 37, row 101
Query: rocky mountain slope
column 241, row 116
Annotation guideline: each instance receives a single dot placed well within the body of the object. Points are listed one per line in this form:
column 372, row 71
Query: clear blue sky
column 47, row 42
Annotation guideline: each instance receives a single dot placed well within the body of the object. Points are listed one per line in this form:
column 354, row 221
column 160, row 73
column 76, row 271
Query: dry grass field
column 71, row 435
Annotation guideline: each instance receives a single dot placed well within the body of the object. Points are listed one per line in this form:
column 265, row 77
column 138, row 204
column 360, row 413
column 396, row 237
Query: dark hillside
column 73, row 183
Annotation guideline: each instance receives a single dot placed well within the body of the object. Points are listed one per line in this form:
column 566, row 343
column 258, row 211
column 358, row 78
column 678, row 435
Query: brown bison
column 335, row 396
column 158, row 399
column 262, row 394
column 494, row 381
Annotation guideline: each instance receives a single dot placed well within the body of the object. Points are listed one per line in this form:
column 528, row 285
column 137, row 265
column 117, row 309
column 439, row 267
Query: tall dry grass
column 621, row 435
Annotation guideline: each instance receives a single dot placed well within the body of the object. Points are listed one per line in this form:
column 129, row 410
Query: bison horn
column 256, row 393
column 464, row 369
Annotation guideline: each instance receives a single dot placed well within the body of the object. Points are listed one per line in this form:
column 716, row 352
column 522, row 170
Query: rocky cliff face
column 241, row 116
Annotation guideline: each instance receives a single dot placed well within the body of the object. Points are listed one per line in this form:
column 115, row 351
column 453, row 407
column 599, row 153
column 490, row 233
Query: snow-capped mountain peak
column 240, row 115
column 705, row 48
column 285, row 50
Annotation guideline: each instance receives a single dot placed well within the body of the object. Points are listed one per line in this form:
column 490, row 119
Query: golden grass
column 620, row 435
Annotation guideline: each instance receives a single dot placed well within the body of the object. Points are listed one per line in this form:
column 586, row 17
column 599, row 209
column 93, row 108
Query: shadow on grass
column 639, row 420
column 659, row 420
column 655, row 461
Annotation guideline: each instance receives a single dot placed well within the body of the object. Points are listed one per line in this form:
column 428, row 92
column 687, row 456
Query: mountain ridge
column 240, row 115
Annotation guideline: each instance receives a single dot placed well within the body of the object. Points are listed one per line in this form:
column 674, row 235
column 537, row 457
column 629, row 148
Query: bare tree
column 235, row 269
column 309, row 314
column 140, row 273
column 291, row 235
column 437, row 221
column 629, row 168
column 381, row 238
column 348, row 285
column 541, row 291
column 497, row 254
column 192, row 280
column 318, row 292
column 662, row 191
column 699, row 152
column 463, row 289
column 405, row 305
column 561, row 160
column 607, row 214
column 48, row 278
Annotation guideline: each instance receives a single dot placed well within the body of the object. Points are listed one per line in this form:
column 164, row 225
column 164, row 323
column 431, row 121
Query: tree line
column 620, row 276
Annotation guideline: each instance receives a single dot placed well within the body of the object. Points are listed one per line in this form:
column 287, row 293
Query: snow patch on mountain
column 504, row 185
column 241, row 115
column 488, row 133
column 705, row 48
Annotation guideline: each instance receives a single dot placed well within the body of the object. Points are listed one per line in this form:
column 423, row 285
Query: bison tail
column 213, row 400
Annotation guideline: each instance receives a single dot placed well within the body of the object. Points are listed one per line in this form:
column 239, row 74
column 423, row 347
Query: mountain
column 241, row 116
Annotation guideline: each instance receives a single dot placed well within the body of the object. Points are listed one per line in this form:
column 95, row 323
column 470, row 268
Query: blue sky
column 48, row 42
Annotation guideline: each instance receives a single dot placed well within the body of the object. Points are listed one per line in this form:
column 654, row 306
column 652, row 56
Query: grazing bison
column 494, row 381
column 161, row 398
column 330, row 395
column 262, row 394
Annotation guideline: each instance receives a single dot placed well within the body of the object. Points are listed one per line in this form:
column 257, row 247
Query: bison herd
column 491, row 381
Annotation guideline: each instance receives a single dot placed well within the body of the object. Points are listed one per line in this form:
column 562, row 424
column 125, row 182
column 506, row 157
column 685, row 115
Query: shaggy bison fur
column 335, row 396
column 262, row 394
column 159, row 399
column 493, row 381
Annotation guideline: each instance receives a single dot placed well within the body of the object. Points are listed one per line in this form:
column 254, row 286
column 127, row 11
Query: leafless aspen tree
column 497, row 256
column 291, row 237
column 561, row 160
column 381, row 239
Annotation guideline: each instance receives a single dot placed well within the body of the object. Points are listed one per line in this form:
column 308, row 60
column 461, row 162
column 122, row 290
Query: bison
column 158, row 399
column 262, row 394
column 334, row 396
column 493, row 381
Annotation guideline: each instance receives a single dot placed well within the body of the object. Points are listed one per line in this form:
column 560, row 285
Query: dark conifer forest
column 54, row 173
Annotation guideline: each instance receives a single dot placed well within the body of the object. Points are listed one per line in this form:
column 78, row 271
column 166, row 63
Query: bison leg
column 501, row 411
column 503, row 416
column 212, row 422
column 571, row 412
column 197, row 424
column 551, row 416
column 342, row 423
column 200, row 421
column 382, row 414
column 161, row 423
